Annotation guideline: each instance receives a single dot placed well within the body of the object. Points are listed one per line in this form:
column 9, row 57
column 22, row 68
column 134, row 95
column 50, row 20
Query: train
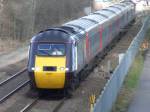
column 57, row 55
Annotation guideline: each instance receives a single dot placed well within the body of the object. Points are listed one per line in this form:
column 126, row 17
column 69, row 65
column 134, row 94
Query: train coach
column 58, row 54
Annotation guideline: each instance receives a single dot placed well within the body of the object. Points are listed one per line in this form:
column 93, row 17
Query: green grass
column 134, row 73
column 148, row 36
column 130, row 85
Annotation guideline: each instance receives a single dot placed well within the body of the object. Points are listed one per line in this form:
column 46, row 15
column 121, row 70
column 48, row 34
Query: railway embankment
column 133, row 81
column 13, row 57
column 12, row 62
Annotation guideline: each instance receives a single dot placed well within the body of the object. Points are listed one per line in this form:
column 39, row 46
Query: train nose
column 50, row 72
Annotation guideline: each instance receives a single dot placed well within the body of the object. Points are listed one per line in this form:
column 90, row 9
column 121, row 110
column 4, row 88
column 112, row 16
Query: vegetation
column 20, row 19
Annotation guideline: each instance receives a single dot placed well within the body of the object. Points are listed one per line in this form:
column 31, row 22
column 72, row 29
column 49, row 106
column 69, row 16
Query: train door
column 80, row 54
column 74, row 57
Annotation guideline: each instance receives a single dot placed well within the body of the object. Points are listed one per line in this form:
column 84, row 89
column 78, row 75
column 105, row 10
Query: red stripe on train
column 101, row 38
column 87, row 46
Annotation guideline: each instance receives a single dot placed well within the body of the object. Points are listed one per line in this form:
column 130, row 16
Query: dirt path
column 13, row 57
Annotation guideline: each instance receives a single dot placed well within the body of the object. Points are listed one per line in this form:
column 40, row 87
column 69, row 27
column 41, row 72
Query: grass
column 130, row 85
column 134, row 73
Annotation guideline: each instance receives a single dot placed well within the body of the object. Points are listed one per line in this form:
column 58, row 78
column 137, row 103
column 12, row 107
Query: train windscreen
column 51, row 50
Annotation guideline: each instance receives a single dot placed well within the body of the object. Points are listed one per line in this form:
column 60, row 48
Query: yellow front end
column 50, row 79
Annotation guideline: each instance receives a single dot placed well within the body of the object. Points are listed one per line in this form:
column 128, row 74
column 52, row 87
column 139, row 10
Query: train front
column 50, row 59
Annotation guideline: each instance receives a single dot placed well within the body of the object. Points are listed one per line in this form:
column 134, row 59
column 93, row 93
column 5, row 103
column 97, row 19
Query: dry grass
column 7, row 45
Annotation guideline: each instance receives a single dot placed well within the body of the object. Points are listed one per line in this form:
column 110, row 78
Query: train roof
column 57, row 34
column 98, row 17
column 95, row 17
column 81, row 23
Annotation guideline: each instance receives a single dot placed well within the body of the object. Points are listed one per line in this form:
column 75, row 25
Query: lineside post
column 92, row 102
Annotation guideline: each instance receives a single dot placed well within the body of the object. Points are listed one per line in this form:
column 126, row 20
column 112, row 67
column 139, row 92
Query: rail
column 13, row 76
column 13, row 91
column 33, row 103
column 29, row 106
column 109, row 94
column 4, row 85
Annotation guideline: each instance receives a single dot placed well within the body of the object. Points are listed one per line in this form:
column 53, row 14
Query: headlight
column 62, row 68
column 36, row 68
column 67, row 69
column 33, row 68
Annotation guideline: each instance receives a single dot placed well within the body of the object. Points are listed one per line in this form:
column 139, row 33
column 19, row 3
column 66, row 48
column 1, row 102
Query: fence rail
column 109, row 94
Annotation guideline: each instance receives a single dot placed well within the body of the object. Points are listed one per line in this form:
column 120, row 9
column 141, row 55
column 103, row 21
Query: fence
column 112, row 87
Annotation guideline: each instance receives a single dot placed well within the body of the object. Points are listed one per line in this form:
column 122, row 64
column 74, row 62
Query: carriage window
column 51, row 49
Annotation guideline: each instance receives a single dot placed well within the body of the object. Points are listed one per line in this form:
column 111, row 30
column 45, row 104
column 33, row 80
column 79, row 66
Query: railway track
column 19, row 81
column 56, row 109
column 12, row 84
column 31, row 104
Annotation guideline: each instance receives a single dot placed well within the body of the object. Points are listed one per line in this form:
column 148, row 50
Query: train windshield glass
column 51, row 49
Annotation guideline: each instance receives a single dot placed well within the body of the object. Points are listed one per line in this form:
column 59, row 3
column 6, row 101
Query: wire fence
column 109, row 94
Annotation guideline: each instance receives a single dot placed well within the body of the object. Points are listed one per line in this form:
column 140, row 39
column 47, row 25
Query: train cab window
column 51, row 49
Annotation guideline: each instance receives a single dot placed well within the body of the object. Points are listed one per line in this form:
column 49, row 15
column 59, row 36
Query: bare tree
column 20, row 19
